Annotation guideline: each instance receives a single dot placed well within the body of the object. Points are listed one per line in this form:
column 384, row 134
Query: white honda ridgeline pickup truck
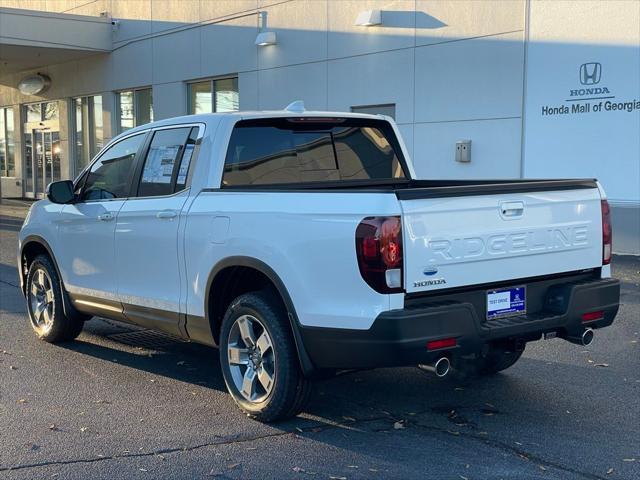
column 301, row 243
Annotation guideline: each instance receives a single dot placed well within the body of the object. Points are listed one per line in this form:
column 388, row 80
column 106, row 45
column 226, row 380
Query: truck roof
column 215, row 118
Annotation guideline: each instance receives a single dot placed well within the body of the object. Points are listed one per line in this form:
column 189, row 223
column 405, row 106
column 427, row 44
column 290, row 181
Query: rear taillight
column 379, row 252
column 607, row 233
column 591, row 316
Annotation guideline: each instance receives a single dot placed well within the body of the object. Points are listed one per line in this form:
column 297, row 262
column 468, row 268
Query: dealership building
column 529, row 88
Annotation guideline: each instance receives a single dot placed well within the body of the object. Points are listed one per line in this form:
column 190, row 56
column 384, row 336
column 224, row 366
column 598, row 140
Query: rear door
column 455, row 241
column 146, row 235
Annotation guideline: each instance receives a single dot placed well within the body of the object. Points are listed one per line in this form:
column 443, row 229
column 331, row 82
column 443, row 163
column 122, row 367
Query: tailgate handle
column 512, row 209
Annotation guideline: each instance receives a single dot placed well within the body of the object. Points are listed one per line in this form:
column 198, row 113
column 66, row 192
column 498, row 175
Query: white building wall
column 596, row 142
column 455, row 69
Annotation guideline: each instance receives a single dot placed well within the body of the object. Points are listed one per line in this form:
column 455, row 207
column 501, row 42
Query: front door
column 42, row 147
column 86, row 233
column 42, row 159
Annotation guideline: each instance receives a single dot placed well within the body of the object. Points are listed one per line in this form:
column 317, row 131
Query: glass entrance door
column 42, row 160
column 42, row 149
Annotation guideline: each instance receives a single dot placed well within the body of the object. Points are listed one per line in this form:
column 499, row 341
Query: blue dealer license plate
column 505, row 302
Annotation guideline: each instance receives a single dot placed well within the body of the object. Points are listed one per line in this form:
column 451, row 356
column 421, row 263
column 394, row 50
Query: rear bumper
column 399, row 337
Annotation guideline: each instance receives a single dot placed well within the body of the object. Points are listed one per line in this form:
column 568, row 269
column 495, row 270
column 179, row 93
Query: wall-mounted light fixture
column 265, row 37
column 369, row 18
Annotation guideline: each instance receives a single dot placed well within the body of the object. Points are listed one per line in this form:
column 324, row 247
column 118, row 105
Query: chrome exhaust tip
column 587, row 337
column 440, row 367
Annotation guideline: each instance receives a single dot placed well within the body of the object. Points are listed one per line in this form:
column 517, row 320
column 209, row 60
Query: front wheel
column 259, row 359
column 44, row 303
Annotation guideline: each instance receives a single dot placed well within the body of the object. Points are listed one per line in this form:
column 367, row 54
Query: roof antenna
column 296, row 107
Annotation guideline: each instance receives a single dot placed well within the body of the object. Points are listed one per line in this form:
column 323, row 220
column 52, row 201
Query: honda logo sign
column 590, row 73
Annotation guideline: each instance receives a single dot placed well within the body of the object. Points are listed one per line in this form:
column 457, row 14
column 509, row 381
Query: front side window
column 219, row 95
column 135, row 107
column 303, row 150
column 110, row 176
column 162, row 163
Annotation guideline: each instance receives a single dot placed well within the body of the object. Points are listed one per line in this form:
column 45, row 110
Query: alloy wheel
column 41, row 300
column 251, row 358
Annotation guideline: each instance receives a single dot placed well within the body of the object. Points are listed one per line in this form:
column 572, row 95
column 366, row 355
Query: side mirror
column 61, row 192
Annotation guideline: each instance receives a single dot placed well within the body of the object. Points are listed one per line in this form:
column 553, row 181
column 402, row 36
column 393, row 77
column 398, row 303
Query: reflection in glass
column 3, row 145
column 214, row 96
column 10, row 143
column 50, row 111
column 110, row 175
column 126, row 110
column 226, row 95
column 144, row 106
column 88, row 132
column 28, row 162
column 34, row 112
column 55, row 156
column 200, row 97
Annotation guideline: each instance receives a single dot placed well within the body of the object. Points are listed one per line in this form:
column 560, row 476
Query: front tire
column 259, row 359
column 44, row 303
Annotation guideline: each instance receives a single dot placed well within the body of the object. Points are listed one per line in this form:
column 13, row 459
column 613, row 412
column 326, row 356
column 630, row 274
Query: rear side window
column 167, row 162
column 304, row 150
column 110, row 176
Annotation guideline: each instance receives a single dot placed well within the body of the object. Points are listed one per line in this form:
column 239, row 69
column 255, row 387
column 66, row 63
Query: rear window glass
column 291, row 150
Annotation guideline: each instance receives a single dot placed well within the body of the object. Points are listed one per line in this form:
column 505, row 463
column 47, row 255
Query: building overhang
column 30, row 39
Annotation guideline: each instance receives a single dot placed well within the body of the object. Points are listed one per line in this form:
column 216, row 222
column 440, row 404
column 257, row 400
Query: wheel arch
column 31, row 247
column 229, row 266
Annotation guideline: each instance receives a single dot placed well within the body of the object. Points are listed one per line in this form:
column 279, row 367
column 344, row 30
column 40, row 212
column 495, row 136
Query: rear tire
column 499, row 359
column 259, row 359
column 44, row 303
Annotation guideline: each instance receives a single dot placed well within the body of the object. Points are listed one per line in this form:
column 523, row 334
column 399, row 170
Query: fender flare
column 67, row 306
column 242, row 261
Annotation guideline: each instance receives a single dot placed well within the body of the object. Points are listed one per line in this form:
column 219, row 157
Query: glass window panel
column 126, row 110
column 98, row 129
column 55, row 155
column 227, row 99
column 50, row 111
column 144, row 106
column 364, row 153
column 160, row 165
column 200, row 97
column 3, row 144
column 28, row 161
column 110, row 176
column 88, row 133
column 183, row 172
column 80, row 157
column 11, row 143
column 280, row 151
column 34, row 112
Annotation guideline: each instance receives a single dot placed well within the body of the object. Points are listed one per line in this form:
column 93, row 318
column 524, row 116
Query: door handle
column 106, row 217
column 512, row 209
column 167, row 214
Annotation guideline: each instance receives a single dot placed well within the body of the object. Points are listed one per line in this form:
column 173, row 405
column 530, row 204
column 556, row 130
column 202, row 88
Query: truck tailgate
column 471, row 239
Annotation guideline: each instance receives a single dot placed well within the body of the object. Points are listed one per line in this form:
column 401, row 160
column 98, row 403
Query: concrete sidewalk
column 14, row 207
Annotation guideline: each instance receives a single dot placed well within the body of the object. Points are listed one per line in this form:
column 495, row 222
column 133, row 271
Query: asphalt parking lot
column 124, row 403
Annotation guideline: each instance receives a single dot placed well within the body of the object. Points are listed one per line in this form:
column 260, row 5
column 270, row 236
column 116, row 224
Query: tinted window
column 285, row 151
column 162, row 162
column 110, row 176
column 187, row 160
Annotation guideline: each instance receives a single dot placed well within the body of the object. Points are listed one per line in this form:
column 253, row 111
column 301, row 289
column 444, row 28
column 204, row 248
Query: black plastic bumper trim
column 399, row 337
